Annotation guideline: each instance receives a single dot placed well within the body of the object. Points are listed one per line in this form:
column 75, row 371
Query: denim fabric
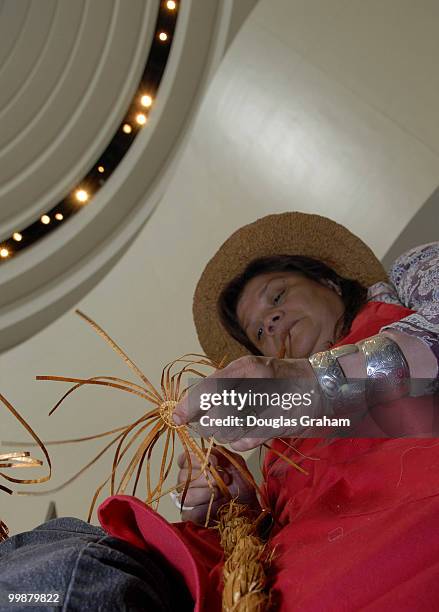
column 91, row 570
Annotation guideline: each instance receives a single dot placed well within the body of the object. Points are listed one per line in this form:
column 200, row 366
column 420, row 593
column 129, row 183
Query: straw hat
column 290, row 233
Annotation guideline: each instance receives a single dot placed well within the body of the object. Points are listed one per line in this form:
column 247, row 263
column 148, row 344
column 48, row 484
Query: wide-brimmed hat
column 290, row 233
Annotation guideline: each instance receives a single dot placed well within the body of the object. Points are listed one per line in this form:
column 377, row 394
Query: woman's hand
column 301, row 379
column 199, row 492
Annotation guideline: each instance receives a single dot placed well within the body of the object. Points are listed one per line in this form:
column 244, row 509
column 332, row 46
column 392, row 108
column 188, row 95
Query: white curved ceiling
column 68, row 71
column 68, row 75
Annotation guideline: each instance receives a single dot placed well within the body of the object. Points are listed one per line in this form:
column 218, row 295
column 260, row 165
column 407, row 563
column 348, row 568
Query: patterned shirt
column 414, row 283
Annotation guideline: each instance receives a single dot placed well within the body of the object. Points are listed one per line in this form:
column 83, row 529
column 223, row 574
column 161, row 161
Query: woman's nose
column 271, row 322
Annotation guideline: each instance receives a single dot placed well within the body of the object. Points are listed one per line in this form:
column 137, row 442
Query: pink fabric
column 360, row 531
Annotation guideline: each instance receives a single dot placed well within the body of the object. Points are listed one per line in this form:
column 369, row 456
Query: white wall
column 321, row 106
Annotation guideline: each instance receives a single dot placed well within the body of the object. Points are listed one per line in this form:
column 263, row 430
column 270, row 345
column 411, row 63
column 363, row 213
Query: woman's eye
column 278, row 296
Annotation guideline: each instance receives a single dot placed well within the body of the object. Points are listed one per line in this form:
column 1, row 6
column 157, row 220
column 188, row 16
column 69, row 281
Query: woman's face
column 287, row 309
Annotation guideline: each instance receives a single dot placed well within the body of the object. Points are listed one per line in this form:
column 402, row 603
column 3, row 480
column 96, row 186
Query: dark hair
column 353, row 293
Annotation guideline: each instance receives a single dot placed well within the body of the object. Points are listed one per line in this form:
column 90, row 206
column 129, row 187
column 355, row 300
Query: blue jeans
column 90, row 569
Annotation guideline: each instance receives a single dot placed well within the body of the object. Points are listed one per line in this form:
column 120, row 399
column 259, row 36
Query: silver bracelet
column 341, row 396
column 388, row 373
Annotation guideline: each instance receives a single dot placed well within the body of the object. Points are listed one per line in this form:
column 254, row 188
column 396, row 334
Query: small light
column 45, row 219
column 171, row 5
column 141, row 119
column 59, row 216
column 163, row 36
column 4, row 253
column 81, row 195
column 127, row 128
column 101, row 169
column 17, row 236
column 146, row 101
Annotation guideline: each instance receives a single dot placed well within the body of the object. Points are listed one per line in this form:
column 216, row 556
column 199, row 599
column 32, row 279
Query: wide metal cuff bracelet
column 388, row 373
column 341, row 396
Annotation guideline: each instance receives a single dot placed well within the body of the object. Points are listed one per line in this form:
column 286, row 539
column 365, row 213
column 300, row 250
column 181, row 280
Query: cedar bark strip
column 20, row 459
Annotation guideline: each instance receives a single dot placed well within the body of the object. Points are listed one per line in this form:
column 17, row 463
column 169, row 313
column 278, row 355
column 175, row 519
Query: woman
column 350, row 534
column 360, row 529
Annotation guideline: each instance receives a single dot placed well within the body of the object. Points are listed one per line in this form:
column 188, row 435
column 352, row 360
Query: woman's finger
column 195, row 461
column 245, row 444
column 201, row 480
column 197, row 496
column 197, row 514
